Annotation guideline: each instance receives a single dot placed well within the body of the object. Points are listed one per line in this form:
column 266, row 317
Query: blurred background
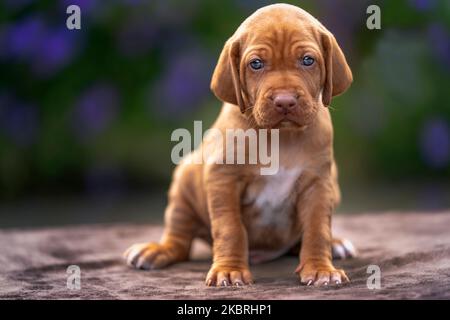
column 86, row 115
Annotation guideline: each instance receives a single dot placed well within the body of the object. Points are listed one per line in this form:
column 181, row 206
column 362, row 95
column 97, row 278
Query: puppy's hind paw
column 342, row 249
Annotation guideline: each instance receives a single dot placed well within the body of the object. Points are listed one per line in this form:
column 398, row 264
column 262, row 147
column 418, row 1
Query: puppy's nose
column 284, row 102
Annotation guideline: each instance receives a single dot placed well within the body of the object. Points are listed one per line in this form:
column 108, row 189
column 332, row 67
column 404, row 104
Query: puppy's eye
column 256, row 64
column 307, row 61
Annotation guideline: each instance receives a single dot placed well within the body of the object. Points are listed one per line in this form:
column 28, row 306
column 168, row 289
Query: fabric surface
column 411, row 249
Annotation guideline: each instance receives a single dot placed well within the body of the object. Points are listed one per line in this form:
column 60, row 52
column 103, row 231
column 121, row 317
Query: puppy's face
column 284, row 72
column 280, row 67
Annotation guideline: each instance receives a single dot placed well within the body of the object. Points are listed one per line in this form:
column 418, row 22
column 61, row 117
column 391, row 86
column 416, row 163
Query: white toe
column 343, row 249
column 349, row 248
column 338, row 251
column 133, row 253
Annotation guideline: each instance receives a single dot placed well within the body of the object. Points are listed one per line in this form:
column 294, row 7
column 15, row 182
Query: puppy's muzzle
column 284, row 103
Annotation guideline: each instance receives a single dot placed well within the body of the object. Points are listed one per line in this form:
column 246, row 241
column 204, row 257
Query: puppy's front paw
column 149, row 256
column 318, row 274
column 227, row 276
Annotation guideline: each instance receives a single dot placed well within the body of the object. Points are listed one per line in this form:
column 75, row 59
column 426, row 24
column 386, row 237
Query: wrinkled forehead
column 279, row 35
column 281, row 27
column 280, row 43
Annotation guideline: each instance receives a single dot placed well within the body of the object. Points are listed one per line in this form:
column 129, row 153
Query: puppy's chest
column 270, row 199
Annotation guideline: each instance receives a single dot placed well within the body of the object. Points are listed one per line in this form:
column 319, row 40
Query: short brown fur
column 217, row 202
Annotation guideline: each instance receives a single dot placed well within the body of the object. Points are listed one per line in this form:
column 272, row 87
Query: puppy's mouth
column 282, row 122
column 290, row 120
column 286, row 123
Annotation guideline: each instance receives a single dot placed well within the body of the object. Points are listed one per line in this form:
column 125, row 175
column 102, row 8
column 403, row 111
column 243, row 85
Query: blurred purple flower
column 56, row 50
column 137, row 36
column 422, row 5
column 439, row 39
column 18, row 120
column 435, row 142
column 183, row 86
column 95, row 110
column 24, row 37
column 47, row 50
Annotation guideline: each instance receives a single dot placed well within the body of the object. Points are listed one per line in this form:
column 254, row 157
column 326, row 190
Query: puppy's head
column 280, row 66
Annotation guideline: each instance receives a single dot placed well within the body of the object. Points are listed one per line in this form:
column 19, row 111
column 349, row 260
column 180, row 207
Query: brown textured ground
column 412, row 250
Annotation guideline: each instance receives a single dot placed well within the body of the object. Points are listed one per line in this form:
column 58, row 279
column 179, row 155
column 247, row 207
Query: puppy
column 279, row 70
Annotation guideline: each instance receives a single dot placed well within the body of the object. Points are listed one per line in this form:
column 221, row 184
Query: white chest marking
column 278, row 187
column 272, row 200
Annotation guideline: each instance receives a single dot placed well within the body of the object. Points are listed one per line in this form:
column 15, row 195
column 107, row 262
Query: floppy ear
column 225, row 82
column 338, row 75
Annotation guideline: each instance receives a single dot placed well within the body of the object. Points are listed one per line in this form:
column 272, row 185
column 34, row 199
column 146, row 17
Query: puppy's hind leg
column 342, row 249
column 175, row 243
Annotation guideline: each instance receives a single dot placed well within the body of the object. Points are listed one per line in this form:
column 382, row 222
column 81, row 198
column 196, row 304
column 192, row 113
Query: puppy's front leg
column 314, row 208
column 230, row 244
